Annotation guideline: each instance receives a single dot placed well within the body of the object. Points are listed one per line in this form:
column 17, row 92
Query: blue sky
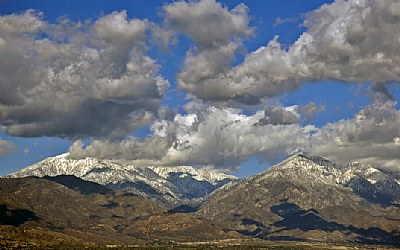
column 337, row 98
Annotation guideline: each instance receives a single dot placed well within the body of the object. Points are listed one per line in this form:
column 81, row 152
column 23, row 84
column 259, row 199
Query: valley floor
column 18, row 238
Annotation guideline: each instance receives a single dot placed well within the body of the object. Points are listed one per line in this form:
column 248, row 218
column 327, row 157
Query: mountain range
column 169, row 186
column 303, row 198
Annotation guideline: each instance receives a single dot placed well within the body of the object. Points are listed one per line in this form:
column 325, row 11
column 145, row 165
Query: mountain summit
column 168, row 185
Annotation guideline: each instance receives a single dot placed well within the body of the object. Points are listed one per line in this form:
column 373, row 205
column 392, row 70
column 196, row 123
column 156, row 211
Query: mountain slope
column 311, row 198
column 81, row 211
column 169, row 185
column 67, row 201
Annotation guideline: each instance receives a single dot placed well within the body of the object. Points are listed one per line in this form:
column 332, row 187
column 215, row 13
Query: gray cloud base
column 76, row 80
column 224, row 137
column 372, row 137
column 221, row 137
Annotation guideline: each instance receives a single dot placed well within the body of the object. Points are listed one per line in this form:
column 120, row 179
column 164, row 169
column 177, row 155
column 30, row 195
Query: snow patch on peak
column 64, row 155
column 304, row 161
column 371, row 181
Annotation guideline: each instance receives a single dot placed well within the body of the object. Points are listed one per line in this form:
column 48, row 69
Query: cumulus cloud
column 94, row 79
column 76, row 80
column 381, row 92
column 163, row 37
column 26, row 151
column 218, row 34
column 207, row 22
column 280, row 21
column 149, row 150
column 349, row 41
column 278, row 114
column 310, row 110
column 225, row 137
column 372, row 137
column 6, row 147
column 221, row 137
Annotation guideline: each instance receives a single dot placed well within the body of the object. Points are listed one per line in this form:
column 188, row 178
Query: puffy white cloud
column 207, row 22
column 28, row 22
column 6, row 147
column 349, row 41
column 218, row 34
column 222, row 137
column 163, row 37
column 76, row 80
column 371, row 137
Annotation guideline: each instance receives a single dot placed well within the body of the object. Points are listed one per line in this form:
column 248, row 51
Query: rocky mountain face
column 68, row 209
column 311, row 198
column 170, row 186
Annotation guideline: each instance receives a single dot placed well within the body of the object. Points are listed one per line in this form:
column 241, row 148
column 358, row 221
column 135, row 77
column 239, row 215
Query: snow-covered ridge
column 62, row 164
column 177, row 182
column 323, row 169
column 315, row 171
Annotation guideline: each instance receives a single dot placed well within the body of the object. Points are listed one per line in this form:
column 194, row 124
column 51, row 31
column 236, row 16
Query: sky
column 233, row 85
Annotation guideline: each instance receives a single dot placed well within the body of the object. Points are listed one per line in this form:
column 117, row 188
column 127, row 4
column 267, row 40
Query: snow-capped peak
column 314, row 169
column 144, row 180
